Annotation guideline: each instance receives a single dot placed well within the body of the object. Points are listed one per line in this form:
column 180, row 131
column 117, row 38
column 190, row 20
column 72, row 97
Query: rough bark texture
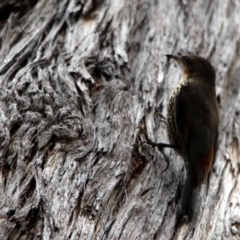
column 78, row 79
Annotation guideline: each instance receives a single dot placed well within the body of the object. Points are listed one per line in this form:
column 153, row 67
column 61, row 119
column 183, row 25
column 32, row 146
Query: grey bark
column 78, row 80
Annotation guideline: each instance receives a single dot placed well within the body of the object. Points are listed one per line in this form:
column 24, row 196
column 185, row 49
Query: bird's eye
column 187, row 59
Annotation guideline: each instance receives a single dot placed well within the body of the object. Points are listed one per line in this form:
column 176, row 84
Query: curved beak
column 175, row 57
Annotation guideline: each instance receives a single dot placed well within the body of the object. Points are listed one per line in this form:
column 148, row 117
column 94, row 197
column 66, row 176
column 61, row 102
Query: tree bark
column 79, row 79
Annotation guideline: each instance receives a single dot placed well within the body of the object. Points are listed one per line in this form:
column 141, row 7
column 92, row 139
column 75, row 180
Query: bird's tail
column 190, row 198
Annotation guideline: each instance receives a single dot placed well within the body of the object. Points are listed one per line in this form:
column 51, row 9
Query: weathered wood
column 78, row 80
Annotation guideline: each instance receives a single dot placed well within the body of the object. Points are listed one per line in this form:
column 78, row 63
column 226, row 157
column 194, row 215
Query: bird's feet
column 160, row 146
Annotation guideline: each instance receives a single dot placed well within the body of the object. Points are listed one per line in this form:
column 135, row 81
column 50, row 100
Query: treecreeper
column 192, row 124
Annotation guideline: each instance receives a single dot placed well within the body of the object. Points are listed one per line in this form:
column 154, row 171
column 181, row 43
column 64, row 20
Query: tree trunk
column 79, row 79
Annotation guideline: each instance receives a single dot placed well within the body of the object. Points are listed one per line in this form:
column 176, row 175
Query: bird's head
column 195, row 66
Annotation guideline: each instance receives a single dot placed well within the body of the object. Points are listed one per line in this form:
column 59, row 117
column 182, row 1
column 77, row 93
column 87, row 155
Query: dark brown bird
column 192, row 123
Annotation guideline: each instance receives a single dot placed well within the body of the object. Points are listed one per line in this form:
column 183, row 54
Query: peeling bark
column 78, row 80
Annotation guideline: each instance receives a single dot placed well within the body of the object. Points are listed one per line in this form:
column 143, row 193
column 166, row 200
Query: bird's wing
column 193, row 124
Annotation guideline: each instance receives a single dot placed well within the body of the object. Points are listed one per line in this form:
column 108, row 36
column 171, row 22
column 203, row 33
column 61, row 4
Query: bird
column 192, row 124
